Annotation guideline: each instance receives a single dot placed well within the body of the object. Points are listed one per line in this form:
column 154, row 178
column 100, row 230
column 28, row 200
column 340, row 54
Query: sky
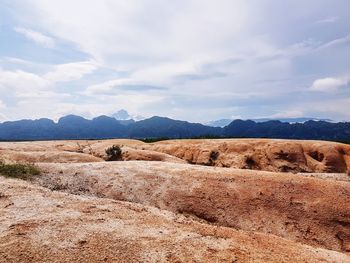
column 195, row 60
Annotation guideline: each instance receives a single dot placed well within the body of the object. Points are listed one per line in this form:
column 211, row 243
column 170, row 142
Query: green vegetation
column 158, row 139
column 22, row 171
column 345, row 142
column 250, row 162
column 213, row 156
column 151, row 140
column 114, row 153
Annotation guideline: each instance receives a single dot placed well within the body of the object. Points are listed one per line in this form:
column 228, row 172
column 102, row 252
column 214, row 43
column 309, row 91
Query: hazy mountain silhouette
column 225, row 122
column 320, row 130
column 76, row 127
column 165, row 127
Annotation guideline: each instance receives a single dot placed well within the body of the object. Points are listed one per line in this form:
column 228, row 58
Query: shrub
column 152, row 140
column 18, row 170
column 250, row 162
column 114, row 153
column 214, row 155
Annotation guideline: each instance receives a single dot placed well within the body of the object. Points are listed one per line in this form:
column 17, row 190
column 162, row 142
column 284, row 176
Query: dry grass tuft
column 22, row 171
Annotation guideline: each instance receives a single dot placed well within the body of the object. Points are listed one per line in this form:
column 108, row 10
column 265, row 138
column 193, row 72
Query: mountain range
column 102, row 127
column 225, row 122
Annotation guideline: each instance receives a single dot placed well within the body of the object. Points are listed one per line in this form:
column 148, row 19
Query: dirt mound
column 328, row 176
column 308, row 210
column 260, row 154
column 38, row 225
column 78, row 151
column 131, row 154
column 47, row 157
column 255, row 154
column 286, row 202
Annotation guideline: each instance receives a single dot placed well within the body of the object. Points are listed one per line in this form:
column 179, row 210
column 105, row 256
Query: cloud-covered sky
column 196, row 60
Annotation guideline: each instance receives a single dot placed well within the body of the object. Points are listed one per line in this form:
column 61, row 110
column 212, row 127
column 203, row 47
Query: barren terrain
column 229, row 200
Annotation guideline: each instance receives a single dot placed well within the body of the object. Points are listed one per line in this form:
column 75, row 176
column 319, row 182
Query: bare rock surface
column 308, row 210
column 132, row 154
column 78, row 151
column 261, row 154
column 38, row 225
column 254, row 154
column 225, row 200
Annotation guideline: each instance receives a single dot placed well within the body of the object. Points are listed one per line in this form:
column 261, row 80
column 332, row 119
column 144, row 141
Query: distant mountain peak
column 121, row 115
column 124, row 117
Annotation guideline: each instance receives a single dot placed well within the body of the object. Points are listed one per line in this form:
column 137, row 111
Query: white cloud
column 335, row 42
column 71, row 71
column 105, row 87
column 3, row 117
column 287, row 114
column 41, row 95
column 24, row 82
column 37, row 37
column 155, row 40
column 328, row 84
column 2, row 105
column 334, row 108
column 16, row 61
column 19, row 80
column 217, row 53
column 131, row 35
column 328, row 20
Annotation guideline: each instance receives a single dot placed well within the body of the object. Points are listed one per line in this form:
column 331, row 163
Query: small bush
column 18, row 170
column 114, row 153
column 214, row 155
column 250, row 162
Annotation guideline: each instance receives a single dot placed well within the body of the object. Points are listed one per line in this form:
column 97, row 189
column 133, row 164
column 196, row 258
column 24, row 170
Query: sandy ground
column 38, row 225
column 308, row 210
column 177, row 201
